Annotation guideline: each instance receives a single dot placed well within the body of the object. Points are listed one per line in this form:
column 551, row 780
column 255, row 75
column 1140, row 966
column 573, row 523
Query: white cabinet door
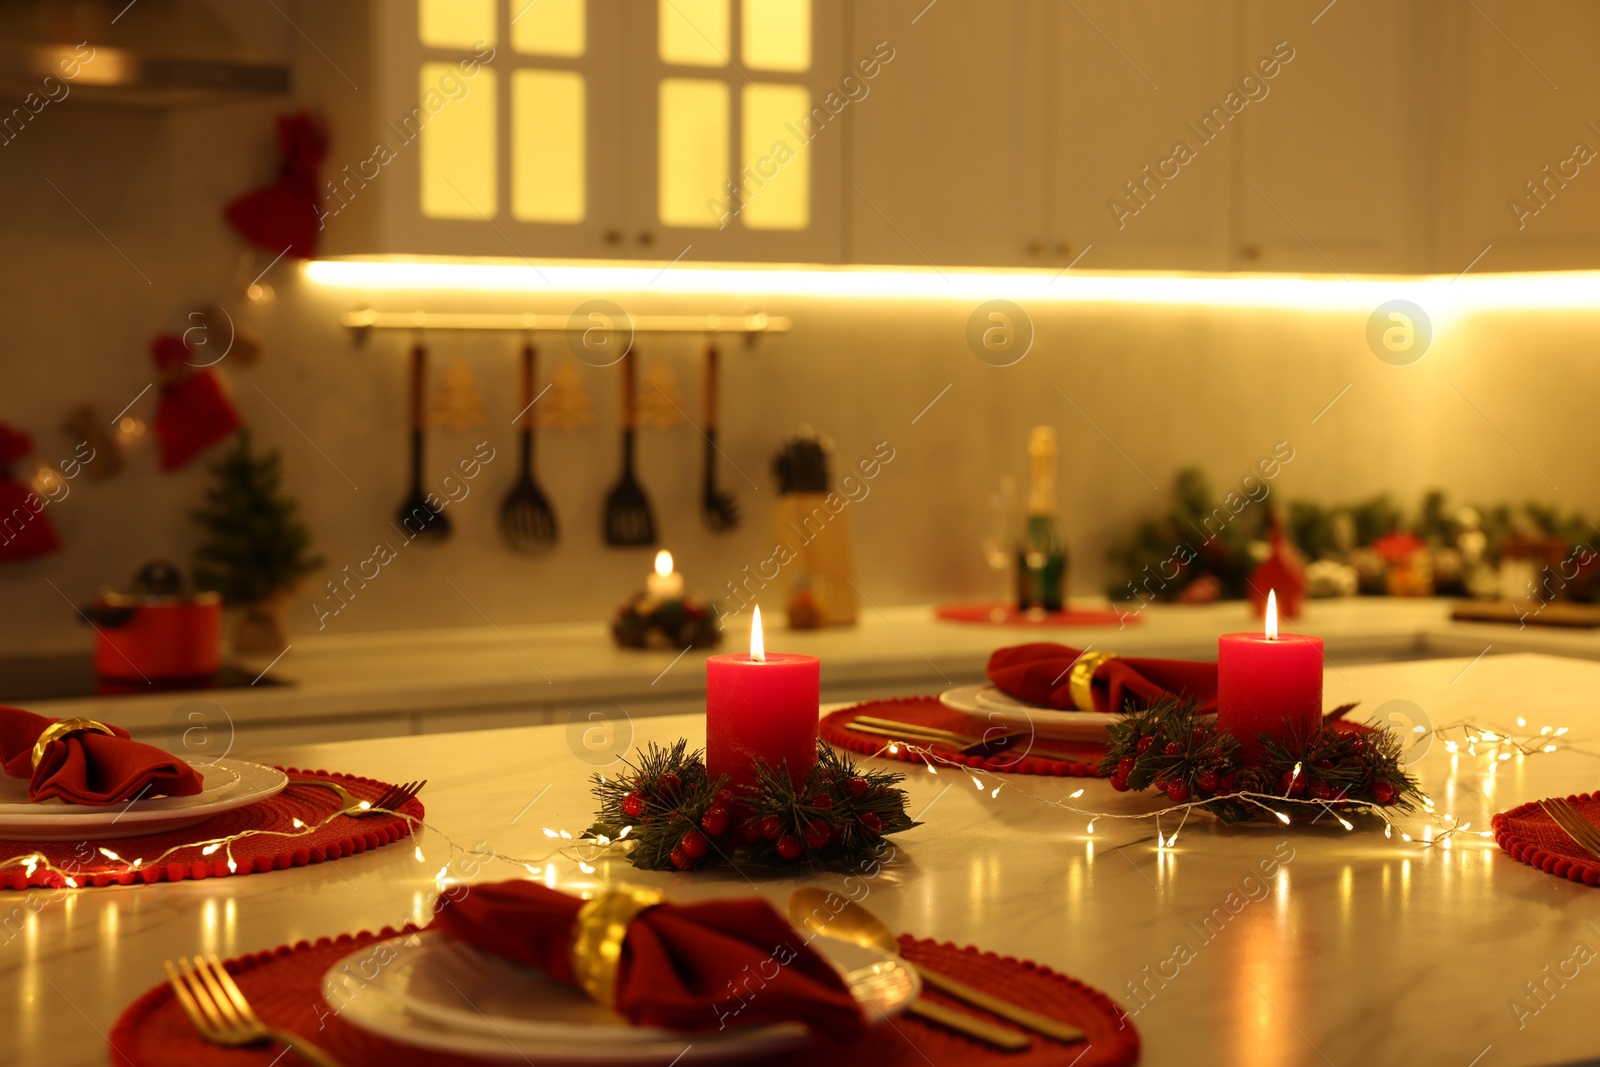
column 1142, row 174
column 735, row 147
column 1523, row 153
column 470, row 127
column 1335, row 151
column 938, row 168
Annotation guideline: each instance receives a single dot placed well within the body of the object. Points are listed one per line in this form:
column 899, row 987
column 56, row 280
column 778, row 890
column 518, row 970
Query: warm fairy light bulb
column 1282, row 817
column 1272, row 614
column 977, row 782
column 995, row 793
column 663, row 563
column 585, row 868
column 758, row 647
column 626, row 830
column 209, row 849
column 1075, row 795
column 418, row 853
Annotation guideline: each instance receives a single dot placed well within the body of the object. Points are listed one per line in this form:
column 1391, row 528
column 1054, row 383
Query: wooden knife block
column 824, row 560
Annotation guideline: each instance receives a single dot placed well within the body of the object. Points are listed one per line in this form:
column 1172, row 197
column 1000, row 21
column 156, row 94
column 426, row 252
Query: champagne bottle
column 1041, row 550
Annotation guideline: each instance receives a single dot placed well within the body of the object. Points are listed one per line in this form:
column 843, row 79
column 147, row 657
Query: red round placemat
column 927, row 711
column 284, row 986
column 1010, row 616
column 1534, row 838
column 260, row 852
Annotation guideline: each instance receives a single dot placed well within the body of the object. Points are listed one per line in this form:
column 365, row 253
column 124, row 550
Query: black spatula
column 420, row 522
column 628, row 521
column 527, row 521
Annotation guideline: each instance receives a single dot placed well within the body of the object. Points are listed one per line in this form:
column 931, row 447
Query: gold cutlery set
column 1573, row 822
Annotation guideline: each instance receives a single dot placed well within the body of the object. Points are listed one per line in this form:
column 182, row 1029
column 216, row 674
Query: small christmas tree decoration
column 255, row 548
column 660, row 400
column 565, row 404
column 668, row 813
column 458, row 403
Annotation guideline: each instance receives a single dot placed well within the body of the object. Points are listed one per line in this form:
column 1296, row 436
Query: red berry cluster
column 789, row 840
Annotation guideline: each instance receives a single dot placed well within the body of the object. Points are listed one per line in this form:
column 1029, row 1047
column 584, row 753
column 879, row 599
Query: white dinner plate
column 229, row 784
column 992, row 703
column 435, row 992
column 1048, row 723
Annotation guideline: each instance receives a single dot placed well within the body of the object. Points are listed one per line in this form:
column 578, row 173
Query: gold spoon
column 833, row 916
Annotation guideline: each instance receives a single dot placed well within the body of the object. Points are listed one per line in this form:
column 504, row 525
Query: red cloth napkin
column 90, row 767
column 684, row 966
column 1039, row 673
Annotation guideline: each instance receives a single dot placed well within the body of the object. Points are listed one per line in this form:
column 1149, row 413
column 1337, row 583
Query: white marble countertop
column 1356, row 950
column 376, row 684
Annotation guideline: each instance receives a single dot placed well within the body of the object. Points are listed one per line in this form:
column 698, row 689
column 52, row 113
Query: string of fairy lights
column 1490, row 743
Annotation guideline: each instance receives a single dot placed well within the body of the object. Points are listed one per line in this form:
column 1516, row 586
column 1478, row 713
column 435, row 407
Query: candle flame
column 758, row 647
column 663, row 563
column 1272, row 614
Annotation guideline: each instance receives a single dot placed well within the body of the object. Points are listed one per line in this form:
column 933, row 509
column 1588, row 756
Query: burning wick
column 758, row 647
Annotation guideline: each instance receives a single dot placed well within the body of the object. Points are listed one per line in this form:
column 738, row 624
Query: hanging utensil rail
column 364, row 319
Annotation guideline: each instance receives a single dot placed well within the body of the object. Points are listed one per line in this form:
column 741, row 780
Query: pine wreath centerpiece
column 682, row 622
column 668, row 813
column 1342, row 766
column 255, row 548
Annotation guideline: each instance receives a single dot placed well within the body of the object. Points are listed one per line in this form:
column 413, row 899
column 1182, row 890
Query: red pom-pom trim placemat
column 1534, row 838
column 258, row 852
column 927, row 711
column 284, row 986
column 1010, row 616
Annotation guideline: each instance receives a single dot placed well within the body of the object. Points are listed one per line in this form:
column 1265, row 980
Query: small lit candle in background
column 761, row 706
column 1269, row 684
column 665, row 583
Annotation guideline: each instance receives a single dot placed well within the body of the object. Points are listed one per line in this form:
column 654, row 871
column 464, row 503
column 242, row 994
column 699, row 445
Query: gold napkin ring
column 1082, row 674
column 61, row 728
column 597, row 938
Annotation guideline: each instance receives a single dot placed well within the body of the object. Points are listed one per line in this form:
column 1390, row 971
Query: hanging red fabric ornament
column 282, row 218
column 195, row 412
column 25, row 530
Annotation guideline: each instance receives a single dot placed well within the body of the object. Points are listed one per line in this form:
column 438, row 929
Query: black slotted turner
column 527, row 522
column 628, row 519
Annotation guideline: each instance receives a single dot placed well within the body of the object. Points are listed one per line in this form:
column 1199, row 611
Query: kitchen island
column 1354, row 947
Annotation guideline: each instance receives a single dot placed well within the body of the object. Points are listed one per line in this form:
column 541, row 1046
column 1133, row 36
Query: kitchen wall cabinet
column 1336, row 154
column 1354, row 137
column 688, row 129
column 941, row 168
column 1141, row 172
column 1522, row 145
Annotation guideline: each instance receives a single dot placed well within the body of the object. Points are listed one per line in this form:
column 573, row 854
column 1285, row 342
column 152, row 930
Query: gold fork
column 355, row 807
column 219, row 1011
column 1577, row 826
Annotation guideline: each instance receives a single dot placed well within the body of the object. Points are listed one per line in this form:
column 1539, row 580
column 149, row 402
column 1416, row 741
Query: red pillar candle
column 761, row 706
column 1269, row 684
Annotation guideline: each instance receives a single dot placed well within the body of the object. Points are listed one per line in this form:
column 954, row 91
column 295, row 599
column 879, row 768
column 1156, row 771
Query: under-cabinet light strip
column 1435, row 293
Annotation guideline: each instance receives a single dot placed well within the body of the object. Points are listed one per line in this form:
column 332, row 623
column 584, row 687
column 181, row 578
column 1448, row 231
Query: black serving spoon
column 527, row 521
column 420, row 522
column 628, row 521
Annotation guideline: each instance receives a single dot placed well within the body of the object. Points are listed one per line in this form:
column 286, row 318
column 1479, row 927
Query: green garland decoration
column 667, row 812
column 1342, row 765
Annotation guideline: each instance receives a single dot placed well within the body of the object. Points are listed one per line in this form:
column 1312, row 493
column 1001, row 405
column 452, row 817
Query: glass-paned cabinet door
column 506, row 121
column 738, row 129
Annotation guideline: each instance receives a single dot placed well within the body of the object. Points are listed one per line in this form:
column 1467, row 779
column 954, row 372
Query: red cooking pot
column 157, row 631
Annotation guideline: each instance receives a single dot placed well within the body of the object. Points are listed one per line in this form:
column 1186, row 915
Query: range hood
column 150, row 53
